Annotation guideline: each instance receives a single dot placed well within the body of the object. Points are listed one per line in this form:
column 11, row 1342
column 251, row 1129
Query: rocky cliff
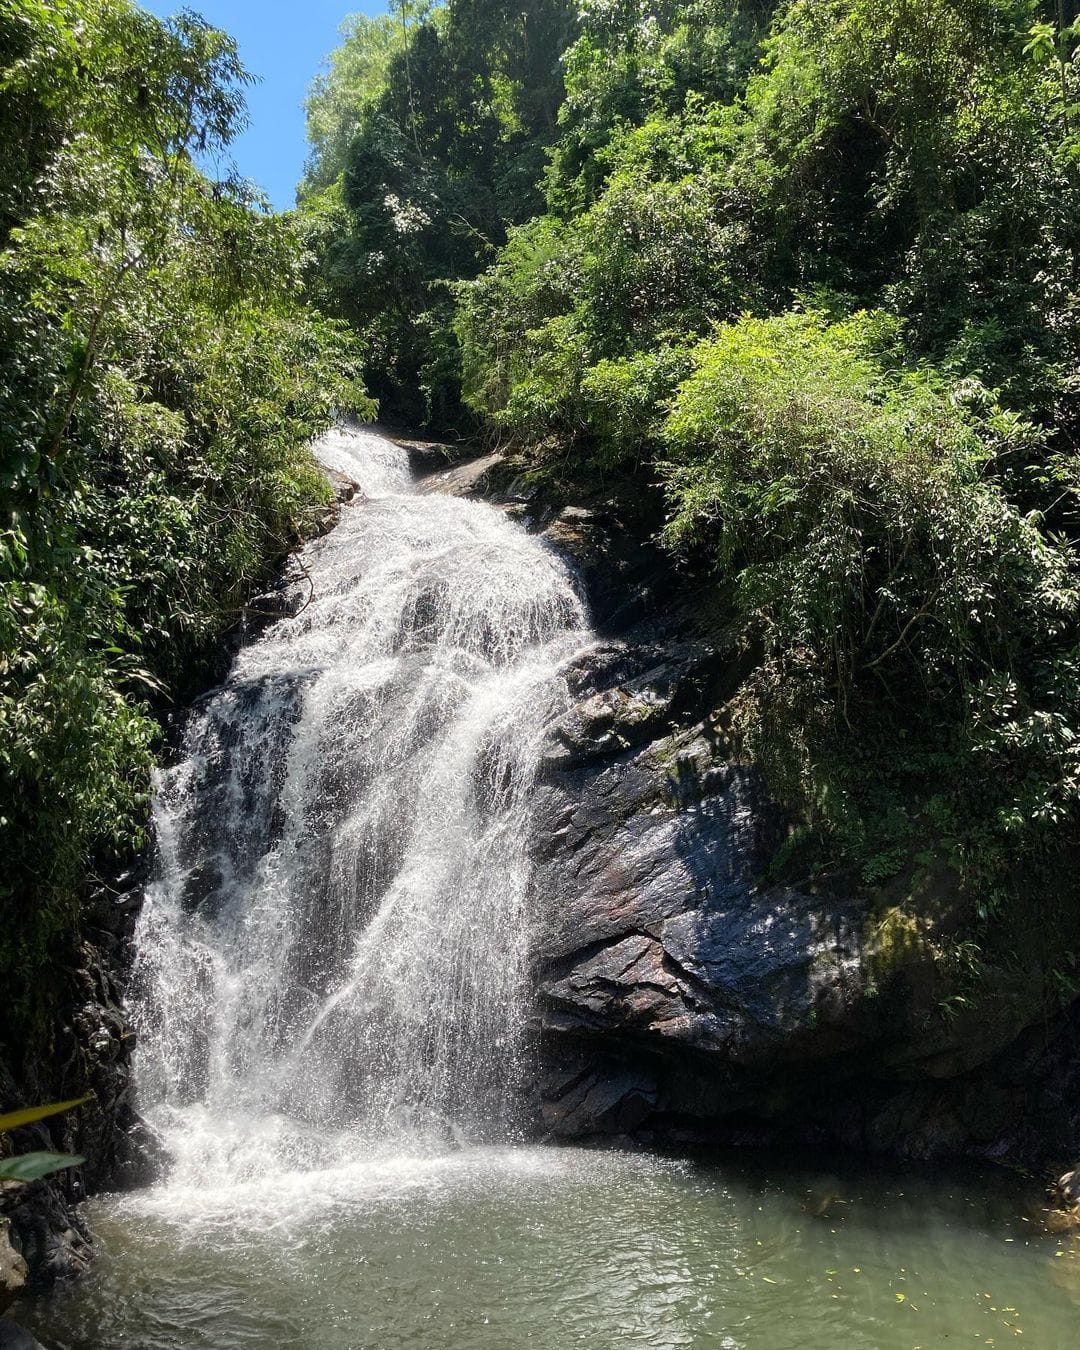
column 85, row 1051
column 683, row 996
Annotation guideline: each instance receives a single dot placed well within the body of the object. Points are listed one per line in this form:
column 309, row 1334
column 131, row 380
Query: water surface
column 508, row 1248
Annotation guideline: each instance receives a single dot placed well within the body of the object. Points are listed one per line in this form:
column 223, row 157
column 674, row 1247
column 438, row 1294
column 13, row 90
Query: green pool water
column 502, row 1249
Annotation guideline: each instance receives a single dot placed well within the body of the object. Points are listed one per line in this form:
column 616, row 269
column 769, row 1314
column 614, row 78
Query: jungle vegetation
column 804, row 273
column 161, row 378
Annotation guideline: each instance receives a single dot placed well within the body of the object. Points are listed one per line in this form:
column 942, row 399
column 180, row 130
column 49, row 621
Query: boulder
column 1067, row 1190
column 15, row 1337
column 13, row 1269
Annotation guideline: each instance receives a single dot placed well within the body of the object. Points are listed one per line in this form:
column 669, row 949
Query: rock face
column 91, row 1056
column 683, row 998
column 13, row 1337
column 1067, row 1189
column 13, row 1269
column 680, row 996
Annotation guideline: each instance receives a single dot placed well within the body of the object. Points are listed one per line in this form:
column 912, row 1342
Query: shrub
column 894, row 593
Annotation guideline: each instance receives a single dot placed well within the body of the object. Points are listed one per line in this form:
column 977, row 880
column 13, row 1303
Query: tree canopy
column 161, row 381
column 804, row 272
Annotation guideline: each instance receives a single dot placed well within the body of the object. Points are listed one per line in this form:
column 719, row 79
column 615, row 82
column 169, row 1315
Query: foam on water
column 331, row 958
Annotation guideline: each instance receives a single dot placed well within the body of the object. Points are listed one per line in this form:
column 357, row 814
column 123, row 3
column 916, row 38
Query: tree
column 160, row 386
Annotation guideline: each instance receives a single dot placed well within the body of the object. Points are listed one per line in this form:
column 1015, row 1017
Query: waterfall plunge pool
column 508, row 1248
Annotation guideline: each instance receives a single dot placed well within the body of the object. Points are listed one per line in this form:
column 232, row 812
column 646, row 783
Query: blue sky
column 284, row 42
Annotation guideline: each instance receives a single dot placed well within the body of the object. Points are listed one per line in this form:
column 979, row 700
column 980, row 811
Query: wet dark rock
column 636, row 711
column 428, row 456
column 682, row 997
column 268, row 607
column 47, row 1230
column 615, row 1098
column 344, row 490
column 1067, row 1190
column 457, row 479
column 13, row 1268
column 14, row 1337
column 622, row 573
column 91, row 1056
column 659, row 946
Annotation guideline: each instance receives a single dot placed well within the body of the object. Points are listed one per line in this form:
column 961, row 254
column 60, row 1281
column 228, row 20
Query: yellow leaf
column 15, row 1120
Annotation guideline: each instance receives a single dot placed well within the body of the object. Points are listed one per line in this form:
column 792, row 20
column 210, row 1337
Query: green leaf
column 32, row 1166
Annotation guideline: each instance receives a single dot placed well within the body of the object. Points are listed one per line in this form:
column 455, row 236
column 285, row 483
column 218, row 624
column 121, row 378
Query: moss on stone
column 895, row 941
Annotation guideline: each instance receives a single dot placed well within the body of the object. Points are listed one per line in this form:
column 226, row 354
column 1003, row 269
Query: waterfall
column 332, row 953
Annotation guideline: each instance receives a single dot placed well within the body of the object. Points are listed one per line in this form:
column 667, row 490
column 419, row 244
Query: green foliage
column 160, row 385
column 356, row 77
column 30, row 1115
column 34, row 1166
column 890, row 585
column 625, row 399
column 637, row 61
column 446, row 114
column 534, row 281
column 914, row 151
column 578, row 316
column 813, row 267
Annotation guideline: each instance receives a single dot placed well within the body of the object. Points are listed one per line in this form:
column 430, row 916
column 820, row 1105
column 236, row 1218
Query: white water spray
column 333, row 948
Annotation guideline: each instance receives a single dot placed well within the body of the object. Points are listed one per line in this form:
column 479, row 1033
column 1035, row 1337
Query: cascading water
column 332, row 995
column 332, row 952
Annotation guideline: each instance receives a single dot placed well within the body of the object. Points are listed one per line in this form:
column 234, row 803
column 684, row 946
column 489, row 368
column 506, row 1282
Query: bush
column 894, row 594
